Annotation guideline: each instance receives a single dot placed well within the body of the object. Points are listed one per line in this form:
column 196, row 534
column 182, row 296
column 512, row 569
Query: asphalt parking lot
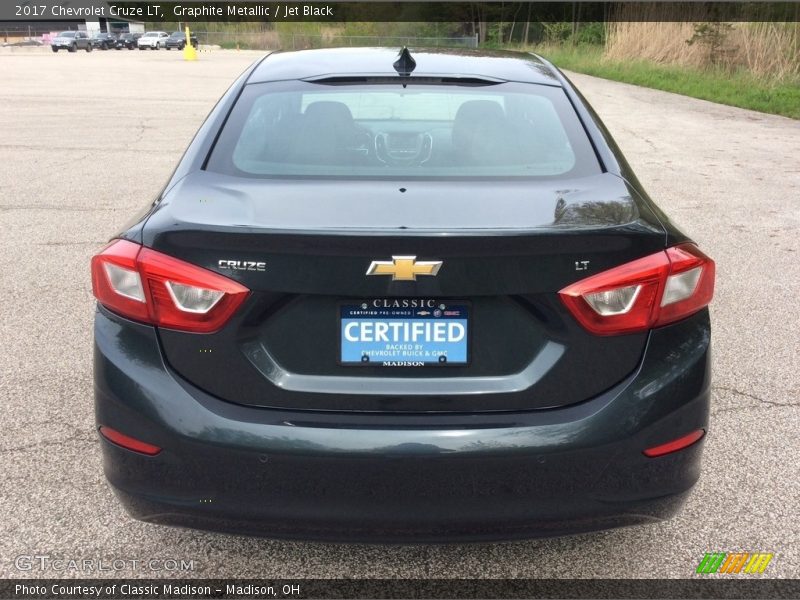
column 87, row 140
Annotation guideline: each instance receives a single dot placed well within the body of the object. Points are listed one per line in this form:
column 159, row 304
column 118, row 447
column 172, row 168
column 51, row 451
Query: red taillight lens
column 649, row 292
column 186, row 296
column 145, row 285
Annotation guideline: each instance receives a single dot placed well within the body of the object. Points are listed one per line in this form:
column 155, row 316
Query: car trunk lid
column 505, row 250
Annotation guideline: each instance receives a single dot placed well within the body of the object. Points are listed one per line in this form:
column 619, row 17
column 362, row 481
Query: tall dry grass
column 768, row 50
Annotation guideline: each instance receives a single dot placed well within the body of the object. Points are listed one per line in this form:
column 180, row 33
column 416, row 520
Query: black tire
column 168, row 48
column 158, row 45
column 89, row 48
column 73, row 48
column 54, row 48
column 141, row 47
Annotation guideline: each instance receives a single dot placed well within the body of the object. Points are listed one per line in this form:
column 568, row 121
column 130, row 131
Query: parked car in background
column 104, row 41
column 127, row 40
column 71, row 41
column 178, row 40
column 154, row 40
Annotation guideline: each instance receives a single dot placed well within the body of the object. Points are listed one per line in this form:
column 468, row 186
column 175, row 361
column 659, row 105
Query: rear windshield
column 67, row 34
column 300, row 129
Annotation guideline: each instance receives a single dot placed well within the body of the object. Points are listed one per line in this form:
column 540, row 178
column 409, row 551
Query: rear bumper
column 406, row 478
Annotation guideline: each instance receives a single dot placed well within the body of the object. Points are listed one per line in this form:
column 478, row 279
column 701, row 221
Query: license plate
column 409, row 332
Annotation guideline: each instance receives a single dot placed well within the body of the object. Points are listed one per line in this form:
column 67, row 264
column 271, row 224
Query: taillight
column 145, row 285
column 649, row 292
column 690, row 285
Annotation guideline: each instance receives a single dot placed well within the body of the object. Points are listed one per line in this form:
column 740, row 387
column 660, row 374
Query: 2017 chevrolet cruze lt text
column 402, row 298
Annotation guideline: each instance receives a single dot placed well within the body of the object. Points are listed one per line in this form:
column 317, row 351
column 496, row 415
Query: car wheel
column 141, row 47
column 73, row 48
column 54, row 48
column 158, row 45
column 89, row 47
column 168, row 48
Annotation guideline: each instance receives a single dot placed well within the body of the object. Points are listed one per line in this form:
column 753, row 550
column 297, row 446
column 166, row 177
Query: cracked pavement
column 89, row 139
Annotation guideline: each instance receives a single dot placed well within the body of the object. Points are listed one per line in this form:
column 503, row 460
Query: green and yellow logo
column 734, row 562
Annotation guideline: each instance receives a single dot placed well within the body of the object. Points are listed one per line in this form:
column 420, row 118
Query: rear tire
column 89, row 48
column 54, row 48
column 158, row 46
column 141, row 47
column 73, row 48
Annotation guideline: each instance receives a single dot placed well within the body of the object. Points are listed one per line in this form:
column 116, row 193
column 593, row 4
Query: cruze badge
column 242, row 265
column 404, row 268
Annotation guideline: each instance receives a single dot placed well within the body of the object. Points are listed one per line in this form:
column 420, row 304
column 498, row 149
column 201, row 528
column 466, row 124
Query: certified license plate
column 404, row 333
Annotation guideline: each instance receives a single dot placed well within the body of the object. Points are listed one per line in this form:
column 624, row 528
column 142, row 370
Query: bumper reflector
column 675, row 445
column 129, row 443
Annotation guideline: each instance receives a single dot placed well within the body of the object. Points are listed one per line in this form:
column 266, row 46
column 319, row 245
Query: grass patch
column 734, row 89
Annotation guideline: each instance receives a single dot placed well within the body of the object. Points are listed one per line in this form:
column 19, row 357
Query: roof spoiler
column 382, row 78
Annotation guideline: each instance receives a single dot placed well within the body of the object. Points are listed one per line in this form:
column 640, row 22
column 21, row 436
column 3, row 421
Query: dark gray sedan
column 402, row 298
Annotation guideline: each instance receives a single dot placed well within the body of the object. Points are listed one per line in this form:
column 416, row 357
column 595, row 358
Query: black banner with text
column 201, row 589
column 378, row 11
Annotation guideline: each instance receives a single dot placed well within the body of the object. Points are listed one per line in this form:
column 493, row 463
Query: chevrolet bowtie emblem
column 404, row 268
